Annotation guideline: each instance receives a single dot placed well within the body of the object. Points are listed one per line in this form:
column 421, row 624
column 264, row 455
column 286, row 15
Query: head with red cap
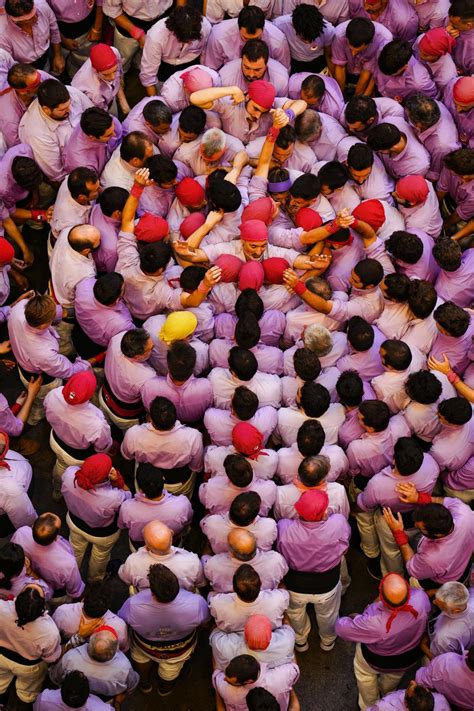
column 372, row 212
column 151, row 228
column 94, row 471
column 6, row 252
column 263, row 209
column 274, row 268
column 105, row 61
column 312, row 505
column 80, row 388
column 191, row 223
column 251, row 276
column 190, row 194
column 254, row 236
column 411, row 190
column 435, row 43
column 258, row 632
column 247, row 440
column 230, row 266
column 260, row 97
column 308, row 219
column 195, row 79
column 463, row 93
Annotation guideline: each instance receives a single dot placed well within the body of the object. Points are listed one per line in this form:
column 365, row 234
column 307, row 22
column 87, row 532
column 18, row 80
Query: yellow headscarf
column 178, row 325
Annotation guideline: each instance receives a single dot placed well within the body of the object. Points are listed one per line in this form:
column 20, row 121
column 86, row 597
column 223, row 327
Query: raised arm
column 204, row 98
column 141, row 181
column 294, row 285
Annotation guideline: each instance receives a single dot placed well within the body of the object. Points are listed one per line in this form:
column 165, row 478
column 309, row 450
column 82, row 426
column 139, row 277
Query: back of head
column 452, row 318
column 462, row 8
column 313, row 86
column 247, row 331
column 259, row 699
column 75, row 689
column 244, row 508
column 383, row 137
column 46, row 529
column 244, row 669
column 40, row 310
column 77, row 181
column 162, row 169
column 244, row 403
column 163, row 413
column 307, row 364
column 96, row 600
column 242, row 363
column 103, row 646
column 396, row 287
column 448, row 254
column 164, row 584
column 461, row 161
column 360, row 334
column 422, row 298
column 29, row 605
column 251, row 18
column 313, row 470
column 375, row 414
column 405, row 246
column 306, row 186
column 238, row 470
column 436, row 518
column 95, row 122
column 12, row 560
column 397, row 354
column 307, row 21
column 249, row 301
column 422, row 109
column 134, row 342
column 318, row 339
column 242, row 544
column 360, row 109
column 360, row 157
column 408, row 456
column 192, row 276
column 320, row 286
column 453, row 596
column 369, row 271
column 419, row 699
column 26, row 172
column 222, row 195
column 455, row 410
column 192, row 119
column 19, row 73
column 52, row 93
column 394, row 56
column 157, row 113
column 154, row 257
column 350, row 388
column 150, row 480
column 314, row 399
column 333, row 175
column 185, row 23
column 360, row 31
column 108, row 288
column 181, row 360
column 134, row 145
column 112, row 200
column 246, row 583
column 423, row 387
column 310, row 438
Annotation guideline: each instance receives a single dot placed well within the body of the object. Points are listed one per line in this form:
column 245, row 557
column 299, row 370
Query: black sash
column 40, row 63
column 144, row 25
column 392, row 661
column 72, row 451
column 17, row 658
column 312, row 583
column 71, row 30
column 101, row 532
column 47, row 379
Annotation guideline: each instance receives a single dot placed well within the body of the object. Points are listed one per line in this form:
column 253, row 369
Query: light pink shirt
column 290, row 420
column 217, row 494
column 267, row 387
column 173, row 510
column 231, row 613
column 28, row 48
column 185, row 565
column 180, row 446
column 80, row 426
column 100, row 92
column 289, row 459
column 289, row 494
column 219, row 569
column 264, row 467
column 125, row 376
column 97, row 507
column 216, row 528
column 67, row 618
column 220, row 423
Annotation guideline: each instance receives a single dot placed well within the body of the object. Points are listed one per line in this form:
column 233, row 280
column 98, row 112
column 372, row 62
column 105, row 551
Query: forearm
column 12, row 231
column 26, row 408
column 363, row 82
column 340, row 76
column 220, row 705
column 56, row 49
column 123, row 22
column 453, row 219
column 464, row 390
column 294, row 704
column 317, row 235
column 365, row 231
column 298, row 106
column 122, row 100
column 197, row 237
column 465, row 231
column 263, row 165
column 197, row 296
column 99, row 19
column 407, row 552
column 206, row 97
column 128, row 214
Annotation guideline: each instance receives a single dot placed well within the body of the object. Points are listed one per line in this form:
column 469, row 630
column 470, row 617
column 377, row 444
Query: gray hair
column 308, row 126
column 422, row 109
column 319, row 286
column 453, row 595
column 212, row 142
column 102, row 646
column 318, row 339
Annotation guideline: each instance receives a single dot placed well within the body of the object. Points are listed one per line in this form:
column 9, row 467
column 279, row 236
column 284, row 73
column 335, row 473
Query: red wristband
column 203, row 288
column 453, row 377
column 137, row 190
column 272, row 134
column 119, row 482
column 15, row 408
column 332, row 227
column 355, row 224
column 136, row 32
column 424, row 499
column 400, row 537
column 38, row 215
column 299, row 288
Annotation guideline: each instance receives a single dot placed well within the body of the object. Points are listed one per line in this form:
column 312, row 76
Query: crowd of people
column 236, row 285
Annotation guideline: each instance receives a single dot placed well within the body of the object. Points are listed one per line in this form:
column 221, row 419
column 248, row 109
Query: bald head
column 394, row 589
column 242, row 544
column 46, row 528
column 84, row 238
column 102, row 646
column 158, row 537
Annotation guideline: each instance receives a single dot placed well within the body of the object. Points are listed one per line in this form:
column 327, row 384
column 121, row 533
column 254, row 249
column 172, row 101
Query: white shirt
column 68, row 268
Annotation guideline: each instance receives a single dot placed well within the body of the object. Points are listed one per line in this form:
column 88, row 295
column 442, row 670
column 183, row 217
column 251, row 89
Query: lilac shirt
column 73, row 12
column 331, row 102
column 100, row 322
column 463, row 52
column 380, row 490
column 454, row 445
column 185, row 565
column 396, row 702
column 368, row 364
column 191, row 398
column 314, row 547
column 425, row 216
column 278, row 681
column 462, row 193
column 162, row 45
column 231, row 613
column 374, row 450
column 269, row 358
column 300, row 50
column 40, row 640
column 264, row 466
column 217, row 494
column 289, row 459
column 458, row 286
column 220, row 423
column 450, row 675
column 415, row 78
column 398, row 16
column 50, row 700
column 97, row 507
column 10, row 191
column 9, row 423
column 464, row 119
column 55, row 563
column 341, row 53
column 80, row 426
column 456, row 349
column 155, row 620
column 178, row 447
column 225, row 44
column 68, row 617
column 439, row 140
column 28, row 48
column 442, row 70
column 126, row 377
column 276, row 74
column 105, row 256
column 81, row 151
column 173, row 510
column 219, row 569
column 216, row 528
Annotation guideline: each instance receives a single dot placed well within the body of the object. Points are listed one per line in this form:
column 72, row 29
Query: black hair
column 461, row 161
column 333, row 174
column 448, row 254
column 181, row 360
column 408, row 455
column 405, row 246
column 150, row 480
column 423, row 387
column 369, row 271
column 254, row 50
column 422, row 298
column 360, row 333
column 191, row 277
column 134, row 145
column 462, row 8
column 313, row 470
column 107, row 288
column 223, row 195
column 422, row 109
column 360, row 156
column 360, row 31
column 96, row 600
column 192, row 120
column 238, row 470
column 134, row 342
column 306, row 186
column 164, row 584
column 249, row 301
column 313, row 86
column 394, row 55
column 112, row 199
column 436, row 518
column 29, row 605
column 376, row 414
column 360, row 109
column 156, row 112
column 420, row 699
column 397, row 286
column 452, row 318
column 246, row 583
column 252, row 18
column 162, row 169
column 95, row 122
column 315, row 399
column 307, row 22
column 26, row 172
column 259, row 699
column 163, row 413
column 397, row 354
column 155, row 256
column 244, row 403
column 243, row 668
column 286, row 137
column 75, row 689
column 244, row 508
column 185, row 22
column 243, row 363
column 455, row 410
column 350, row 388
column 306, row 364
column 310, row 438
column 12, row 560
column 52, row 93
column 383, row 136
column 247, row 331
column 77, row 181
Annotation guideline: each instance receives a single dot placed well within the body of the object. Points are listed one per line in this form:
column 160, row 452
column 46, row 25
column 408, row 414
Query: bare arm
column 292, row 282
column 141, row 180
column 197, row 237
column 205, row 97
column 211, row 278
column 340, row 75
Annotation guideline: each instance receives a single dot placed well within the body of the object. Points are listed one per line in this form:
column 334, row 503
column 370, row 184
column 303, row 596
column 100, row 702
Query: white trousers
column 63, row 461
column 100, row 553
column 372, row 685
column 29, row 679
column 119, row 422
column 466, row 495
column 369, row 541
column 326, row 608
column 168, row 669
column 37, row 411
column 129, row 49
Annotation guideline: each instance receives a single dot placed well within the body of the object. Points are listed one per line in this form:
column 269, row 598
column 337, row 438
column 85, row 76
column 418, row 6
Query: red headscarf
column 6, row 251
column 396, row 609
column 191, row 223
column 463, row 90
column 80, row 387
column 263, row 93
column 312, row 505
column 106, row 628
column 230, row 266
column 103, row 57
column 248, row 440
column 261, row 209
column 253, row 231
column 3, row 453
column 189, row 192
column 372, row 212
column 436, row 42
column 94, row 470
column 151, row 228
column 413, row 188
column 308, row 219
column 273, row 268
column 195, row 79
column 251, row 276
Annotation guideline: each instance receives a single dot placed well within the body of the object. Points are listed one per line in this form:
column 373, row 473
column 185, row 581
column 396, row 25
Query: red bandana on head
column 396, row 609
column 3, row 452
